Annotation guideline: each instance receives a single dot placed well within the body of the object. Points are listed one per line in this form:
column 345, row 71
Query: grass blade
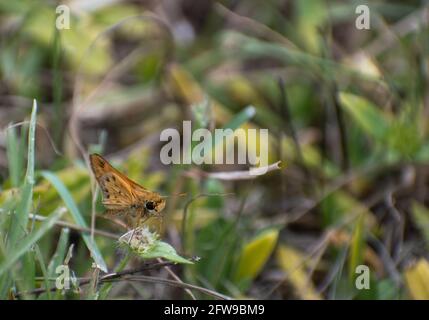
column 20, row 219
column 107, row 286
column 60, row 252
column 77, row 216
column 356, row 248
column 237, row 121
column 29, row 241
column 39, row 257
column 370, row 118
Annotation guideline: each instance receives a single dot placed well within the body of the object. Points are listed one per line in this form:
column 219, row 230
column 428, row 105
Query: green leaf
column 417, row 280
column 20, row 219
column 236, row 122
column 255, row 254
column 77, row 216
column 241, row 118
column 356, row 247
column 24, row 245
column 370, row 118
column 292, row 263
column 340, row 204
column 166, row 251
column 311, row 16
column 145, row 244
column 27, row 271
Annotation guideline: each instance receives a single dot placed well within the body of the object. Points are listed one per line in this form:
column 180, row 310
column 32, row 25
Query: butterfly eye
column 150, row 205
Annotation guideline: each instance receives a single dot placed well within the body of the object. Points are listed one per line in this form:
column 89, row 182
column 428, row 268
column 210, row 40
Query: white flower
column 140, row 239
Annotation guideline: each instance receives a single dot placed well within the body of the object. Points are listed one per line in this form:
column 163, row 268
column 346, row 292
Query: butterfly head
column 155, row 205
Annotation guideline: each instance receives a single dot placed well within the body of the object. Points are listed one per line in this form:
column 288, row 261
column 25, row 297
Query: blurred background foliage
column 347, row 113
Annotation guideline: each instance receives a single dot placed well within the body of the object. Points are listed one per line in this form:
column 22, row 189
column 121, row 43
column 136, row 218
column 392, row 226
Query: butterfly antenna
column 184, row 194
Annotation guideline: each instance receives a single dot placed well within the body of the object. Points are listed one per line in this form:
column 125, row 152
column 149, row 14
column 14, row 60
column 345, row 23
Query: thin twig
column 69, row 225
column 178, row 284
column 126, row 275
column 48, row 135
column 110, row 276
column 387, row 260
column 234, row 175
column 244, row 23
column 398, row 227
column 176, row 277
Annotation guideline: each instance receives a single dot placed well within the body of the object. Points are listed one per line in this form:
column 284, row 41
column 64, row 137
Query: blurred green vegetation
column 347, row 113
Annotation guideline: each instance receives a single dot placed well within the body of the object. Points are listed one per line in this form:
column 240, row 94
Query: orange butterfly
column 122, row 196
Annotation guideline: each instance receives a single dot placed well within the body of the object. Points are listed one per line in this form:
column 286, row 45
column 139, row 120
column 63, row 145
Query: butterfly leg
column 132, row 235
column 160, row 224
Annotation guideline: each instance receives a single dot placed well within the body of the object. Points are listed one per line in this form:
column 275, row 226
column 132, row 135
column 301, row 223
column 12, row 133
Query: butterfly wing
column 119, row 192
column 116, row 189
